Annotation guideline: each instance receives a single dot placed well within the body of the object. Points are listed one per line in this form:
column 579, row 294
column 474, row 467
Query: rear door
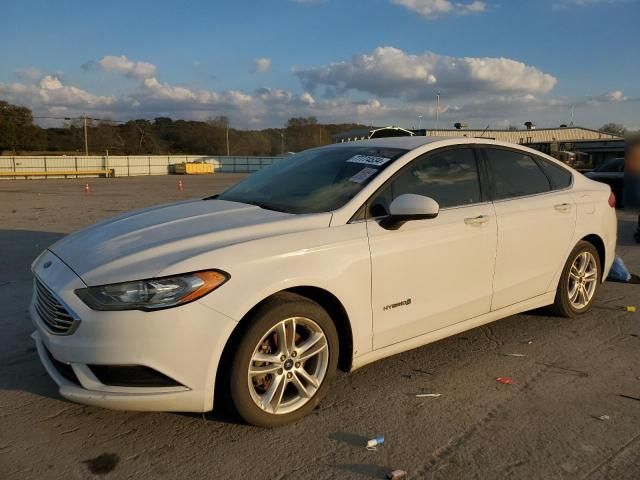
column 536, row 220
column 430, row 274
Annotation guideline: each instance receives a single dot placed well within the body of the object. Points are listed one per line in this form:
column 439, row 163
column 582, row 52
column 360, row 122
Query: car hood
column 142, row 243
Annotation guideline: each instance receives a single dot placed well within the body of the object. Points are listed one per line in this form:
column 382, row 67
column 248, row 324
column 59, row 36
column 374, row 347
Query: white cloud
column 391, row 72
column 438, row 8
column 613, row 96
column 391, row 87
column 262, row 65
column 129, row 68
column 50, row 92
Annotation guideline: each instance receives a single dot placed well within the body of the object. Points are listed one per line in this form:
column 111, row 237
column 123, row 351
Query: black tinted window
column 515, row 174
column 560, row 177
column 449, row 177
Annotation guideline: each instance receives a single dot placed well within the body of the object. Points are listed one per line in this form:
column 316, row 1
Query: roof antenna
column 484, row 131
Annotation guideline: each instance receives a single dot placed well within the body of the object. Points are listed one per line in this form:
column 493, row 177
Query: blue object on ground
column 619, row 272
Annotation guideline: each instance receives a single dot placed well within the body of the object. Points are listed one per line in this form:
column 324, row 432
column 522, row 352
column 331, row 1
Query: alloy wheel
column 583, row 276
column 288, row 365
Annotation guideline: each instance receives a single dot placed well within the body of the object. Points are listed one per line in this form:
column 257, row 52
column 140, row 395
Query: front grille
column 52, row 313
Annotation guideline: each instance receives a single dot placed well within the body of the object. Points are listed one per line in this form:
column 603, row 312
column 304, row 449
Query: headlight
column 153, row 294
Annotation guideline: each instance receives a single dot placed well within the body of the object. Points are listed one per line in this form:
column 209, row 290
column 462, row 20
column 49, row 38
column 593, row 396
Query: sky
column 376, row 62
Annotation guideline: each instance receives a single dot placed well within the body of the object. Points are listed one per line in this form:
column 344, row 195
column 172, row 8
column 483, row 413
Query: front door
column 429, row 274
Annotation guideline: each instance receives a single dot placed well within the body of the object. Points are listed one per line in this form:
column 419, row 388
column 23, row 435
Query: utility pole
column 437, row 109
column 228, row 154
column 86, row 143
column 282, row 139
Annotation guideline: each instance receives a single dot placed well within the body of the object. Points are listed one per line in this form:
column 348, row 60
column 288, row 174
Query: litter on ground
column 505, row 380
column 433, row 395
column 397, row 475
column 373, row 444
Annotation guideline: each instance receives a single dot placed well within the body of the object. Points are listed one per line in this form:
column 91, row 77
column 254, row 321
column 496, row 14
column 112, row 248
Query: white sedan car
column 331, row 258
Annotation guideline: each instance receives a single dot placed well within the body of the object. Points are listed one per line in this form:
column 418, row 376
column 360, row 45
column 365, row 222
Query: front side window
column 319, row 180
column 515, row 174
column 449, row 177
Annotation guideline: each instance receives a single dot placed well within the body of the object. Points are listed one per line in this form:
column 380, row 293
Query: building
column 577, row 146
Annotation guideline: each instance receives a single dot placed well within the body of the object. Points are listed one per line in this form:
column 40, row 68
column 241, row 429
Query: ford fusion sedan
column 330, row 259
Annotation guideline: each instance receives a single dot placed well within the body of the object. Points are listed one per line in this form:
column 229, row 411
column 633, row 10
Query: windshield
column 318, row 180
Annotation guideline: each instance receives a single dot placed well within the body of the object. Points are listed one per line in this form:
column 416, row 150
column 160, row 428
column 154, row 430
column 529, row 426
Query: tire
column 289, row 380
column 564, row 306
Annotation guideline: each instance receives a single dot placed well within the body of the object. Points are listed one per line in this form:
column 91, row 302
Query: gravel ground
column 544, row 426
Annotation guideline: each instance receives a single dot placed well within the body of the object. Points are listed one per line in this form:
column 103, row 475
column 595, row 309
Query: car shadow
column 20, row 368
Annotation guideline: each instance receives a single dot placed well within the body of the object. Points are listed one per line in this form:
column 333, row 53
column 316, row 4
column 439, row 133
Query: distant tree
column 614, row 129
column 220, row 121
column 17, row 131
column 163, row 135
column 302, row 121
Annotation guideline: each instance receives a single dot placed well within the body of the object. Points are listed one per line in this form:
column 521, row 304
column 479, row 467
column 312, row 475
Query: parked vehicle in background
column 611, row 172
column 331, row 258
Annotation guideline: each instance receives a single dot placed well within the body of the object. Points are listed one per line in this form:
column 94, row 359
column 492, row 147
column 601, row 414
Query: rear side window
column 558, row 176
column 449, row 177
column 515, row 174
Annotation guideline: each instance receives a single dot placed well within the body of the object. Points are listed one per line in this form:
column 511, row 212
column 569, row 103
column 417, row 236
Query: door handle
column 477, row 221
column 563, row 207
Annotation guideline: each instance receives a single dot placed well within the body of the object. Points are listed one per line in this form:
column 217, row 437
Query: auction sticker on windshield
column 363, row 174
column 369, row 160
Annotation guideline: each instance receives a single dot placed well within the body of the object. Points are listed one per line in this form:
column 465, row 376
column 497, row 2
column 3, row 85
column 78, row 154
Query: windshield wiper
column 266, row 206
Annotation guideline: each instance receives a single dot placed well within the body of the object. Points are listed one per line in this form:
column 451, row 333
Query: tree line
column 162, row 135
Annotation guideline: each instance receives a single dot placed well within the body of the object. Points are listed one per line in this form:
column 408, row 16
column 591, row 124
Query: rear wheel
column 284, row 362
column 579, row 281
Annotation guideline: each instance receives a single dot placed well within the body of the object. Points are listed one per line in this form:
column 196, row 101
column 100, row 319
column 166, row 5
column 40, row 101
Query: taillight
column 612, row 200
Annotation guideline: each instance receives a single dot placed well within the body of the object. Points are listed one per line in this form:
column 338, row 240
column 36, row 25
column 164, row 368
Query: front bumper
column 183, row 343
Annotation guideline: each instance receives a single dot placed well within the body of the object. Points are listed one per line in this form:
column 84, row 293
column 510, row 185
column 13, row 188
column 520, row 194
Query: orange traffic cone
column 180, row 186
column 87, row 188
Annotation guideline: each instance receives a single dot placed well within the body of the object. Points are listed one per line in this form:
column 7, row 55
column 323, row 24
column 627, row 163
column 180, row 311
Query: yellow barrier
column 193, row 168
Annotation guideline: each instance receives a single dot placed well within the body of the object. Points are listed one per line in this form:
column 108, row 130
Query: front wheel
column 284, row 361
column 579, row 281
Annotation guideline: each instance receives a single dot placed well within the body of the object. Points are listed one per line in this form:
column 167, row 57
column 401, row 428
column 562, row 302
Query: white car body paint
column 459, row 273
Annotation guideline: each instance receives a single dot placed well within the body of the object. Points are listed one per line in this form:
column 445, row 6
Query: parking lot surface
column 573, row 411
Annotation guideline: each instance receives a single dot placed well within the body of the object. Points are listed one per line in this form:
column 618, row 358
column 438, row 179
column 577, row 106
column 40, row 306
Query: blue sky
column 371, row 61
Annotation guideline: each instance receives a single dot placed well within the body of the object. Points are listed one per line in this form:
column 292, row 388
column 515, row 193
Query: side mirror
column 409, row 207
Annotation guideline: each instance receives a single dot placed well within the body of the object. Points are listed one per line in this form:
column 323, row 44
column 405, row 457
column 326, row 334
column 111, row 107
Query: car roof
column 408, row 143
